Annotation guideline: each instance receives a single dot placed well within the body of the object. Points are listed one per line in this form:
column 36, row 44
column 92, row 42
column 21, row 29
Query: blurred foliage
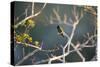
column 29, row 22
column 24, row 38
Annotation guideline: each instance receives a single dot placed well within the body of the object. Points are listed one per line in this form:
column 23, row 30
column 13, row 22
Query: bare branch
column 31, row 16
column 57, row 15
column 32, row 8
column 27, row 56
column 77, row 20
column 39, row 48
column 57, row 57
column 65, row 18
column 89, row 38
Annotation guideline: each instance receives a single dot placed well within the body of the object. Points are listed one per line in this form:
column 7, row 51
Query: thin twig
column 57, row 15
column 31, row 16
column 32, row 8
column 57, row 57
column 37, row 47
column 27, row 56
column 23, row 51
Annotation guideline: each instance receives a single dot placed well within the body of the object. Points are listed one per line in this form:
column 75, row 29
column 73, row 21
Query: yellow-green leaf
column 24, row 35
column 36, row 43
column 30, row 39
column 30, row 22
column 19, row 38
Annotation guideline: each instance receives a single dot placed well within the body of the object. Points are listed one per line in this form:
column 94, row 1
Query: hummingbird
column 60, row 30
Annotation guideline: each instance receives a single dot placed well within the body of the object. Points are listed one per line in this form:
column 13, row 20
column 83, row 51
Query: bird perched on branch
column 60, row 30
